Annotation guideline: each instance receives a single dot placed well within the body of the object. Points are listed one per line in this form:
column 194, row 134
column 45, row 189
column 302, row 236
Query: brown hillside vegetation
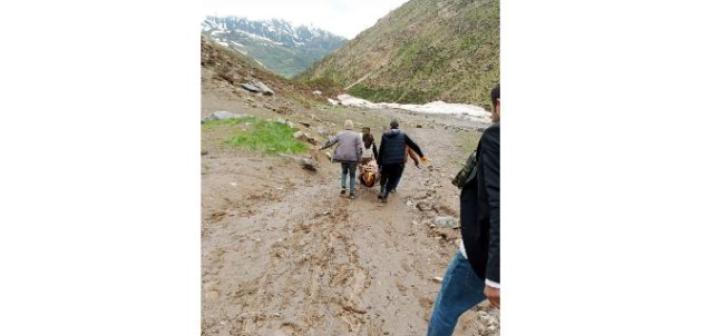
column 424, row 50
column 224, row 67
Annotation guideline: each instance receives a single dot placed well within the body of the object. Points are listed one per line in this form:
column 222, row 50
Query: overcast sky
column 342, row 17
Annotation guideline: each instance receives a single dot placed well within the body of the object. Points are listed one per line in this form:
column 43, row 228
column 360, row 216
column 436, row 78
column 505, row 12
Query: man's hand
column 493, row 295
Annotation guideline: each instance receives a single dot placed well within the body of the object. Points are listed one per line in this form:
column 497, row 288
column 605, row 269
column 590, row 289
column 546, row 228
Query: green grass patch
column 254, row 134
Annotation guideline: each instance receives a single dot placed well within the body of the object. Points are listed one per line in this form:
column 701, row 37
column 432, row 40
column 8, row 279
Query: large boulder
column 257, row 86
column 302, row 136
column 264, row 88
column 251, row 87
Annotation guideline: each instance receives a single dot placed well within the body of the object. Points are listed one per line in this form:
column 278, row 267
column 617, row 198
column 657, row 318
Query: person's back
column 348, row 153
column 348, row 146
column 369, row 151
column 392, row 147
column 391, row 158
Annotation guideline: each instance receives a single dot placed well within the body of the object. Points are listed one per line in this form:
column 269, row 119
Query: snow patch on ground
column 435, row 107
column 257, row 37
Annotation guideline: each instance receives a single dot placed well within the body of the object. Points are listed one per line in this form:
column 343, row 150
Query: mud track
column 284, row 254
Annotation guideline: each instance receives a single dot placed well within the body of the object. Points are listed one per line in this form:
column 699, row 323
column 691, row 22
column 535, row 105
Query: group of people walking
column 473, row 274
column 359, row 151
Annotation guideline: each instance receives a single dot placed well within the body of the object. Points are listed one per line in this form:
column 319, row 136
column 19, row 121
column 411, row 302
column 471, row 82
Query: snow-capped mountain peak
column 278, row 44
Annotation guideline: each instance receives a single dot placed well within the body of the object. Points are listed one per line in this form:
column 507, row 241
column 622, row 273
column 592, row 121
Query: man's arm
column 413, row 156
column 490, row 160
column 413, row 145
column 330, row 142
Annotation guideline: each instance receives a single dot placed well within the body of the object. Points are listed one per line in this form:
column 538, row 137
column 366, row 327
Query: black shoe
column 343, row 192
column 352, row 195
column 380, row 196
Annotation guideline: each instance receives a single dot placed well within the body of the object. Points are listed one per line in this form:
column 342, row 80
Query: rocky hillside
column 230, row 70
column 275, row 44
column 422, row 51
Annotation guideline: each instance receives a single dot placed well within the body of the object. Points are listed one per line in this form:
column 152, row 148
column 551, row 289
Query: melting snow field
column 437, row 107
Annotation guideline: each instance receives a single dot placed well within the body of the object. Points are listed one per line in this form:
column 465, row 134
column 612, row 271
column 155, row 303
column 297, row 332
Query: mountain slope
column 424, row 50
column 276, row 44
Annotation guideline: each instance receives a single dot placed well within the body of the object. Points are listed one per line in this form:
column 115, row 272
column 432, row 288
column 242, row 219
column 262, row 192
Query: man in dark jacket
column 474, row 273
column 391, row 158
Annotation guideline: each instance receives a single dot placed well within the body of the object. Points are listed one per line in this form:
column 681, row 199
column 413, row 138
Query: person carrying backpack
column 474, row 273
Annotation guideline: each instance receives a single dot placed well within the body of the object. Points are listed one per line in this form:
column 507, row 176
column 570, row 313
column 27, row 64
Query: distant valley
column 277, row 45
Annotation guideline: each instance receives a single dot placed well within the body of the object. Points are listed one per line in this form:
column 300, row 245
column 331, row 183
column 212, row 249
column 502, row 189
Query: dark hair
column 394, row 124
column 495, row 94
column 367, row 139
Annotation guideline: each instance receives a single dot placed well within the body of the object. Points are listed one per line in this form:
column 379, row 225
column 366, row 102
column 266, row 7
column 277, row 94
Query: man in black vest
column 391, row 158
column 474, row 273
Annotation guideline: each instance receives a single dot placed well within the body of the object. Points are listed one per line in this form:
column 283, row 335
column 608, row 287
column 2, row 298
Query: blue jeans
column 348, row 168
column 461, row 289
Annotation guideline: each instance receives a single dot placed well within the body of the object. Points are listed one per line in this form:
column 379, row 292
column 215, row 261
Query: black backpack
column 468, row 172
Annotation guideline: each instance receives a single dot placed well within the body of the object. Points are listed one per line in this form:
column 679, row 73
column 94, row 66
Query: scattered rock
column 438, row 279
column 264, row 88
column 204, row 152
column 317, row 93
column 333, row 102
column 285, row 122
column 283, row 109
column 322, row 131
column 446, row 222
column 308, row 164
column 223, row 115
column 258, row 87
column 251, row 87
column 306, row 124
column 302, row 136
column 424, row 206
column 419, row 125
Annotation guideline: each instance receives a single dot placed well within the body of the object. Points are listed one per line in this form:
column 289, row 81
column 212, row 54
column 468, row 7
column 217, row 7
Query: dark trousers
column 390, row 177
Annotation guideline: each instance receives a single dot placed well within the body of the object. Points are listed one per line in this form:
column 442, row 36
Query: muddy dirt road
column 284, row 254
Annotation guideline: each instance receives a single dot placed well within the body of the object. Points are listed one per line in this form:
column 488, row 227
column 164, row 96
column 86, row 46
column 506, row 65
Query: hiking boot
column 343, row 192
column 352, row 195
column 380, row 196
